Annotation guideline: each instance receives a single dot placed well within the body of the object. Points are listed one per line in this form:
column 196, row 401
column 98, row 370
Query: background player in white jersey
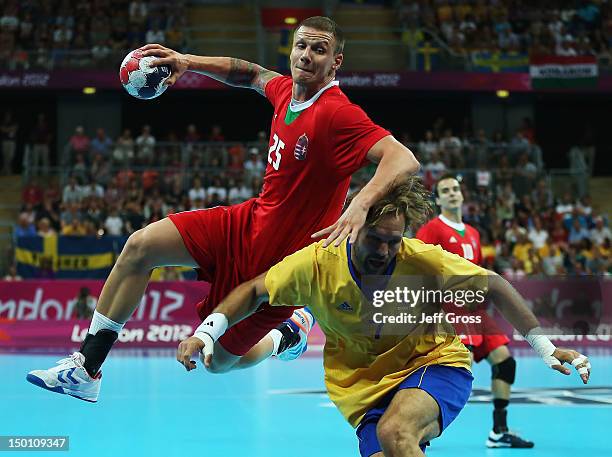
column 453, row 235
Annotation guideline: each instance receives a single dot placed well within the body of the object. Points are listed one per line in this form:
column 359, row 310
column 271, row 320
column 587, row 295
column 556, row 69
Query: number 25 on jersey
column 274, row 153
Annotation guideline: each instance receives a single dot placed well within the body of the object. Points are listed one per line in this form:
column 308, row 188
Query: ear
column 338, row 59
column 438, row 201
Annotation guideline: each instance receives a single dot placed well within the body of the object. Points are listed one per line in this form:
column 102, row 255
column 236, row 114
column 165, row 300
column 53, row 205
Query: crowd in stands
column 115, row 187
column 38, row 34
column 41, row 34
column 536, row 27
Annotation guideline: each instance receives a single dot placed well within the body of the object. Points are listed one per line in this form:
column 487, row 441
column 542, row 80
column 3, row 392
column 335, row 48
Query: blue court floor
column 150, row 406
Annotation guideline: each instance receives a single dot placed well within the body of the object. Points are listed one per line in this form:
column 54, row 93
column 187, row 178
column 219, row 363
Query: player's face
column 312, row 56
column 449, row 194
column 377, row 246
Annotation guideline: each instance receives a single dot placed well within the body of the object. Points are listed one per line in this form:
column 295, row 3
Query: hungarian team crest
column 301, row 147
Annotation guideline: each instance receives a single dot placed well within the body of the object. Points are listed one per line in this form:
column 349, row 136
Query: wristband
column 214, row 326
column 540, row 343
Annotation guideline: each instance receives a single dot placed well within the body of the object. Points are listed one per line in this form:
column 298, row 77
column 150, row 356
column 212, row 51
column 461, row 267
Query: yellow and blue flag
column 66, row 257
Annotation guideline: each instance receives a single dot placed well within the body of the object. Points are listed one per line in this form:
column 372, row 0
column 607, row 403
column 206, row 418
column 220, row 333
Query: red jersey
column 311, row 156
column 460, row 239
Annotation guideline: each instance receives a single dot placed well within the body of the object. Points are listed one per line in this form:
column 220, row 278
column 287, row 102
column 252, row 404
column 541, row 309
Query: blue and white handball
column 140, row 79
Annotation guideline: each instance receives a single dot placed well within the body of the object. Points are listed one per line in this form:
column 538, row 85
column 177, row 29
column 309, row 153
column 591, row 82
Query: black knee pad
column 506, row 370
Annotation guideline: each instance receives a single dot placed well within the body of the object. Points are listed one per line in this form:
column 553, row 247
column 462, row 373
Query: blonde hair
column 408, row 197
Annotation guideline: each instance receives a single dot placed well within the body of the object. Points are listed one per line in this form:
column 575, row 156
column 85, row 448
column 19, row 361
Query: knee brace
column 506, row 370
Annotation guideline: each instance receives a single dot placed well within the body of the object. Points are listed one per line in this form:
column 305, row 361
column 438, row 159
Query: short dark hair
column 442, row 178
column 325, row 24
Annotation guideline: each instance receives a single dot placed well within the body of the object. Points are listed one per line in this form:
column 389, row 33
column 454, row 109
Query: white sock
column 100, row 321
column 276, row 336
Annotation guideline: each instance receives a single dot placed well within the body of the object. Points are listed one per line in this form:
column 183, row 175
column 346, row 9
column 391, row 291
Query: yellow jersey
column 361, row 367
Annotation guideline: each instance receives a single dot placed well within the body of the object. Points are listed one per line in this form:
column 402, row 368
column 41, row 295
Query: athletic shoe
column 300, row 324
column 69, row 377
column 507, row 439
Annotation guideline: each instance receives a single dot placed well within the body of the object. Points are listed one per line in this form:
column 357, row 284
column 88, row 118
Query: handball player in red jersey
column 317, row 140
column 450, row 232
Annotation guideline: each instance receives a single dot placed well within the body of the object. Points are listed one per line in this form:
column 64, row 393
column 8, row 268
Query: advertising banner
column 43, row 314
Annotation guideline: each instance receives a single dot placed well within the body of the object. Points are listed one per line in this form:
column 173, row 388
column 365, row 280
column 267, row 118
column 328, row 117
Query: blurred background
column 512, row 95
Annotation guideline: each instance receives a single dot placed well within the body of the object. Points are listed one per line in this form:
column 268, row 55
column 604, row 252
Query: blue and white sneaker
column 300, row 323
column 69, row 377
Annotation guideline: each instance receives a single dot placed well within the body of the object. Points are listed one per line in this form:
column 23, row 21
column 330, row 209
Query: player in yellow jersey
column 400, row 390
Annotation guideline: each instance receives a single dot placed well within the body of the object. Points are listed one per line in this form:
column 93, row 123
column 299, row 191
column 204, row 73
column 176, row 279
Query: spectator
column 134, row 220
column 100, row 170
column 84, row 305
column 8, row 137
column 100, row 52
column 216, row 134
column 155, row 35
column 46, row 270
column 435, row 168
column 29, row 212
column 45, row 229
column 537, row 234
column 113, row 195
column 219, row 190
column 12, row 275
column 124, row 148
column 577, row 232
column 552, row 260
column 47, row 209
column 558, row 234
column 93, row 189
column 565, row 207
column 79, row 142
column 597, row 264
column 197, row 191
column 113, row 223
column 135, row 191
column 72, row 191
column 253, row 167
column 238, row 192
column 138, row 12
column 450, row 149
column 80, row 170
column 145, row 144
column 600, row 233
column 521, row 248
column 41, row 141
column 24, row 227
column 515, row 233
column 32, row 193
column 101, row 144
column 427, row 147
column 70, row 212
column 74, row 228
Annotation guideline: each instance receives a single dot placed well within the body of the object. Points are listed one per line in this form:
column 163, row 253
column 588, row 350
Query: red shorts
column 482, row 345
column 218, row 240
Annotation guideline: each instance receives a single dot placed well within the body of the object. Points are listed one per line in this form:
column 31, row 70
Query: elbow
column 409, row 163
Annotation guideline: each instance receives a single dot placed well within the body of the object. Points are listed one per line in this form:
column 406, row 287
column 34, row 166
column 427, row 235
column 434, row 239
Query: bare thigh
column 415, row 412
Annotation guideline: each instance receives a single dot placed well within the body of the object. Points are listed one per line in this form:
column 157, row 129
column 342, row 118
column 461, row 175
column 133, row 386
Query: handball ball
column 140, row 79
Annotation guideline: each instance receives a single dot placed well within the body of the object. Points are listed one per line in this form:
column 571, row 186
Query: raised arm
column 513, row 308
column 228, row 70
column 395, row 163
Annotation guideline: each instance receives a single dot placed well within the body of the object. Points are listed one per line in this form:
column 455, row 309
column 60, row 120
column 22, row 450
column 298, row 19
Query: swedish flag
column 504, row 62
column 68, row 257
